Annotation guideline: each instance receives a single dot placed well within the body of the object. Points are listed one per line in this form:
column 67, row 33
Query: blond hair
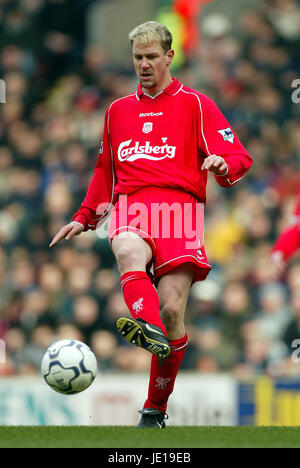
column 152, row 31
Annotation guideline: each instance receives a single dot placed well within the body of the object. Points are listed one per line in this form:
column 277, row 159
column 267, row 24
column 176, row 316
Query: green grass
column 171, row 437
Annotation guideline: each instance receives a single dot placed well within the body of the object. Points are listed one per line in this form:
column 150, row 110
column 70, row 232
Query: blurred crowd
column 242, row 319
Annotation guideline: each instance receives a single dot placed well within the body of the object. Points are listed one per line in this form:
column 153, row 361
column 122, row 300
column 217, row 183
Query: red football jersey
column 160, row 141
column 289, row 240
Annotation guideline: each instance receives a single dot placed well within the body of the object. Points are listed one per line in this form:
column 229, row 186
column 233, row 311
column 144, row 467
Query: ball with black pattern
column 69, row 366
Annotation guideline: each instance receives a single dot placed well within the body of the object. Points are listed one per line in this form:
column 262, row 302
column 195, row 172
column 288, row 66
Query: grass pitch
column 129, row 437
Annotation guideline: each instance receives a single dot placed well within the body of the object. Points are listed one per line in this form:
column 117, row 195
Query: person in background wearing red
column 287, row 243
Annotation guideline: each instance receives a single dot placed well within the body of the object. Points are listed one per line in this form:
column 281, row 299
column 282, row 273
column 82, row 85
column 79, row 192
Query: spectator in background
column 292, row 330
column 273, row 314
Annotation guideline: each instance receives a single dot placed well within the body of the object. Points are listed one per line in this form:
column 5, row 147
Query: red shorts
column 171, row 221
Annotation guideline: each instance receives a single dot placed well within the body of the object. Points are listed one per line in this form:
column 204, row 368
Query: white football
column 69, row 366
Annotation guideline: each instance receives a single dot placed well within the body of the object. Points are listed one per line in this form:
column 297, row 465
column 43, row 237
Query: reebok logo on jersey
column 227, row 134
column 128, row 152
column 151, row 114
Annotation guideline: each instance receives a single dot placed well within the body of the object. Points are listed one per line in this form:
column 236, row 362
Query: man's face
column 151, row 64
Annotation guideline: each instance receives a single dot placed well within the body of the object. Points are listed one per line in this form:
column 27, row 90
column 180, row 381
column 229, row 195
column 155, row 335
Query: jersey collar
column 171, row 90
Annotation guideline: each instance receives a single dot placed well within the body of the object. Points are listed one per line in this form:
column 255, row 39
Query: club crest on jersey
column 227, row 134
column 148, row 127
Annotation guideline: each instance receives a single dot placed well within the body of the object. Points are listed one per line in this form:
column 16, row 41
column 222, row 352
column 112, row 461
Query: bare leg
column 173, row 291
column 131, row 251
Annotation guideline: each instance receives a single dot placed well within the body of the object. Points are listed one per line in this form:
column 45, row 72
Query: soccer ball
column 69, row 366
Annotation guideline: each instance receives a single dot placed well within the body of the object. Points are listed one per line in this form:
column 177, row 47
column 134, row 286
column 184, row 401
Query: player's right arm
column 98, row 200
column 67, row 232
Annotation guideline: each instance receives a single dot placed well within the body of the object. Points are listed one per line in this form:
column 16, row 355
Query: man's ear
column 170, row 56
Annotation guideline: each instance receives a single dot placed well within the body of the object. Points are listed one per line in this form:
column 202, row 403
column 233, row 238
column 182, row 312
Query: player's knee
column 128, row 258
column 170, row 315
column 126, row 255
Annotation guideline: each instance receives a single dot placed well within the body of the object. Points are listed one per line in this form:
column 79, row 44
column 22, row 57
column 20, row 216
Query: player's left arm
column 226, row 157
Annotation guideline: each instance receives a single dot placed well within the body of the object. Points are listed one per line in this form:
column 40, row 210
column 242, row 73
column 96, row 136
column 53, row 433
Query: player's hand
column 215, row 164
column 278, row 264
column 67, row 232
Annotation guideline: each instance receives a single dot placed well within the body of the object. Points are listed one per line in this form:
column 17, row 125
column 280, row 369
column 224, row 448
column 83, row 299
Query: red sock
column 141, row 297
column 163, row 375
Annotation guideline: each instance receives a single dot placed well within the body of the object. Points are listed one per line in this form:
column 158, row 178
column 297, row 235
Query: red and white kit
column 289, row 240
column 161, row 142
